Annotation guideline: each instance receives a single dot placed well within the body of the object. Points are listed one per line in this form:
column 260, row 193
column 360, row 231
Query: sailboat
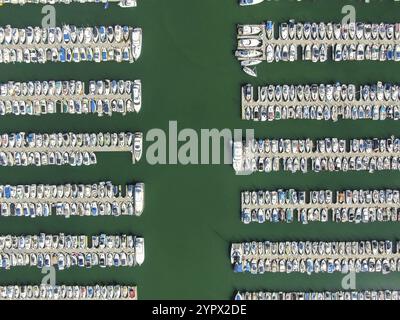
column 250, row 71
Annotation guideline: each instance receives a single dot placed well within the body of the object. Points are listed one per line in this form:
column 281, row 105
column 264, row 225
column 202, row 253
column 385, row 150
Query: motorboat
column 139, row 198
column 137, row 146
column 136, row 39
column 137, row 95
column 139, row 250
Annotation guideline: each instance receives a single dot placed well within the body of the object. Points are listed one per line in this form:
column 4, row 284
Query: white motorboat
column 249, row 43
column 237, row 156
column 127, row 3
column 137, row 146
column 137, row 95
column 139, row 251
column 139, row 198
column 248, row 30
column 136, row 38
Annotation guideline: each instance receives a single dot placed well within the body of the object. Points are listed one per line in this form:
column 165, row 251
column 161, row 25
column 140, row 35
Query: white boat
column 248, row 54
column 248, row 30
column 139, row 251
column 237, row 156
column 249, row 63
column 127, row 3
column 138, row 146
column 250, row 71
column 137, row 95
column 139, row 198
column 136, row 43
column 249, row 43
column 270, row 53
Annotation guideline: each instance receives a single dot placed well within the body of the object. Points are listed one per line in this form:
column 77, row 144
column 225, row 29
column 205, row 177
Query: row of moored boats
column 103, row 97
column 70, row 44
column 330, row 154
column 354, row 206
column 101, row 199
column 344, row 93
column 366, row 295
column 321, row 112
column 316, row 42
column 66, row 251
column 315, row 257
column 75, row 149
column 68, row 292
column 321, row 102
column 320, row 197
column 121, row 3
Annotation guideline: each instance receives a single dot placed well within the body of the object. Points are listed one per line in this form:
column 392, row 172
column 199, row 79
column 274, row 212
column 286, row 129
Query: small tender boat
column 139, row 251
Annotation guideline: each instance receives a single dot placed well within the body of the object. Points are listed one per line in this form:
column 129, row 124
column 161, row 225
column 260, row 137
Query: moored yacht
column 139, row 198
column 136, row 38
column 139, row 250
column 137, row 95
column 137, row 146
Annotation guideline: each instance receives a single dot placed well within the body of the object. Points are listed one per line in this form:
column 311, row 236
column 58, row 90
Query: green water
column 189, row 74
